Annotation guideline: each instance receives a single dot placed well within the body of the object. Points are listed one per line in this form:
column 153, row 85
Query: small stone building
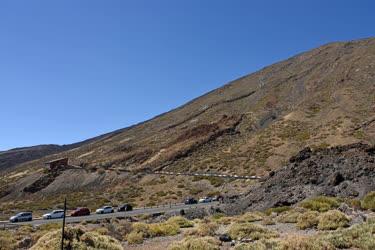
column 58, row 163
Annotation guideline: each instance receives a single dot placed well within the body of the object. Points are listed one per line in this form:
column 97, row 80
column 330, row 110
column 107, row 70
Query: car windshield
column 57, row 211
column 19, row 214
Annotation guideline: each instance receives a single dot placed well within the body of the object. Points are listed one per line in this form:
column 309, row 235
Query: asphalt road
column 227, row 176
column 95, row 217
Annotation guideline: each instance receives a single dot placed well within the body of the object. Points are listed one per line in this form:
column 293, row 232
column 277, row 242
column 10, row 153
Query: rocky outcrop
column 344, row 171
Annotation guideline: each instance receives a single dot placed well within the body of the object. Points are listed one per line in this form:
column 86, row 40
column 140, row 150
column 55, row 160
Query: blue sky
column 71, row 70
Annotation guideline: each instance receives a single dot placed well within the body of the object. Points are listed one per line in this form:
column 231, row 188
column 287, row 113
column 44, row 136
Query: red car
column 81, row 211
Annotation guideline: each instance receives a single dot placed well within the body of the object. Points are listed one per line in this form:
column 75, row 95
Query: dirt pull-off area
column 344, row 171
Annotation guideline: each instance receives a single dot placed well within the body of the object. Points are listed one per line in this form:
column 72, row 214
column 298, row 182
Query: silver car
column 24, row 216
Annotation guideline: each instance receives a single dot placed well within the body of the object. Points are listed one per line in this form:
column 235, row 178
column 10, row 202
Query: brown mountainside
column 324, row 97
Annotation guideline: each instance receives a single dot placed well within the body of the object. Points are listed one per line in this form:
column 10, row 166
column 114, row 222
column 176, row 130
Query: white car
column 205, row 200
column 55, row 214
column 105, row 210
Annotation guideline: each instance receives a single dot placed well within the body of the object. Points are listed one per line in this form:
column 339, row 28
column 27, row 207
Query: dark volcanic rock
column 345, row 171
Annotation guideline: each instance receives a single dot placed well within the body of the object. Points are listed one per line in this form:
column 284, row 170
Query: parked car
column 105, row 210
column 55, row 214
column 205, row 200
column 190, row 200
column 24, row 216
column 81, row 211
column 125, row 207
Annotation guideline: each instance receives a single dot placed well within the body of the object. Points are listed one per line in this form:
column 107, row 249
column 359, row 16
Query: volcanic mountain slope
column 324, row 97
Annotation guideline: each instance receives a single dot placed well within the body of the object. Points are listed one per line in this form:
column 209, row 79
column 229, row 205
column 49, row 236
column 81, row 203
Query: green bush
column 332, row 220
column 368, row 202
column 320, row 203
column 309, row 219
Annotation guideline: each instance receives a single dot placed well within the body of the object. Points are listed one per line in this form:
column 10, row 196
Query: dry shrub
column 7, row 240
column 332, row 220
column 297, row 242
column 76, row 238
column 288, row 217
column 368, row 202
column 250, row 217
column 163, row 229
column 320, row 203
column 309, row 219
column 142, row 230
column 277, row 210
column 360, row 236
column 193, row 243
column 180, row 221
column 264, row 244
column 135, row 238
column 250, row 231
column 203, row 229
column 268, row 221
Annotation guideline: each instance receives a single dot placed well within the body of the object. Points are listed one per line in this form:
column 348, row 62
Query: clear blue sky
column 71, row 70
